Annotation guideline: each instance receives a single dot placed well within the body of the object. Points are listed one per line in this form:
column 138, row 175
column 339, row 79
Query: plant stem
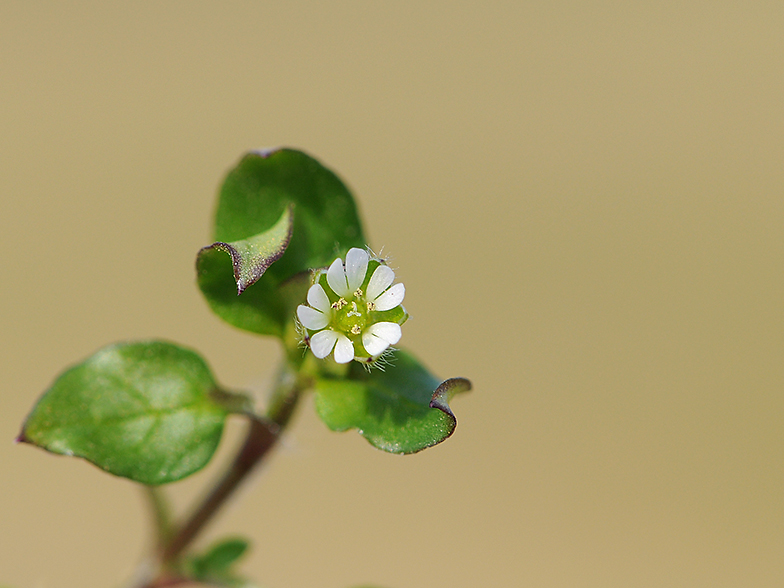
column 262, row 435
column 161, row 514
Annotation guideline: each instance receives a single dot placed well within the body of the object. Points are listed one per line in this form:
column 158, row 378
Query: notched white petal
column 317, row 298
column 356, row 267
column 389, row 332
column 379, row 336
column 344, row 349
column 336, row 278
column 380, row 281
column 374, row 345
column 391, row 298
column 311, row 318
column 322, row 343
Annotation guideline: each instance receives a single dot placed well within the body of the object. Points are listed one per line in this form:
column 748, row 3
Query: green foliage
column 254, row 197
column 259, row 311
column 251, row 257
column 215, row 565
column 402, row 409
column 151, row 411
column 144, row 411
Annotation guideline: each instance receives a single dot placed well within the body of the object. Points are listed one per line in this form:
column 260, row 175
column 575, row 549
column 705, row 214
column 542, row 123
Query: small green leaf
column 402, row 409
column 253, row 200
column 139, row 410
column 216, row 563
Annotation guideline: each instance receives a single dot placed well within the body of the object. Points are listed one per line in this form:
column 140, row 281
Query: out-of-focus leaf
column 217, row 562
column 142, row 410
column 402, row 409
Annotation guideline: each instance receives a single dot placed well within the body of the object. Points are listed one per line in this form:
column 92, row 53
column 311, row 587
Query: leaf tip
column 22, row 437
column 250, row 258
column 241, row 285
column 266, row 152
column 445, row 391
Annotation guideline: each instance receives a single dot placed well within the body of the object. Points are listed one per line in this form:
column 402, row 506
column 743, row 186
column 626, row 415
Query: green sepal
column 402, row 409
column 253, row 198
column 149, row 411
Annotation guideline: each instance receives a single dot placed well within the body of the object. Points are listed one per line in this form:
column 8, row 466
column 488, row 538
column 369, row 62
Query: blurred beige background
column 585, row 201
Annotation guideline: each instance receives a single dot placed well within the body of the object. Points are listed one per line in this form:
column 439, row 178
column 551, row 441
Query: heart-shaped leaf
column 142, row 410
column 252, row 201
column 402, row 409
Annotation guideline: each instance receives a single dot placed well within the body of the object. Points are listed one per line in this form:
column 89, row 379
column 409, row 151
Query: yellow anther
column 356, row 330
column 358, row 293
column 371, row 306
column 339, row 304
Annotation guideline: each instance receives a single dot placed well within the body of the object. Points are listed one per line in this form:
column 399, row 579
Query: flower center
column 350, row 316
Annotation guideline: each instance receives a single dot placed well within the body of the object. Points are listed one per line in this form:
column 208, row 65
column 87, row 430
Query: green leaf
column 402, row 409
column 216, row 563
column 252, row 256
column 261, row 309
column 253, row 200
column 142, row 410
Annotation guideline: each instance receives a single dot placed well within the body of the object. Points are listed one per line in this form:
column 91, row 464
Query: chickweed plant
column 289, row 260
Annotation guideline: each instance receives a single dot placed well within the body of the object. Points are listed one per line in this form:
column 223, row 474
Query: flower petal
column 344, row 350
column 317, row 298
column 373, row 345
column 336, row 278
column 389, row 332
column 379, row 336
column 391, row 298
column 380, row 281
column 322, row 343
column 311, row 318
column 356, row 267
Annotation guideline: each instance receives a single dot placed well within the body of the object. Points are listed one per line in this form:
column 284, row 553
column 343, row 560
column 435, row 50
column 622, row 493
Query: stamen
column 339, row 304
column 371, row 306
column 358, row 293
column 356, row 330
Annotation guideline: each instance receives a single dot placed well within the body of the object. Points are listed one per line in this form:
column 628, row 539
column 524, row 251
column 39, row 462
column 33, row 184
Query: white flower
column 354, row 309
